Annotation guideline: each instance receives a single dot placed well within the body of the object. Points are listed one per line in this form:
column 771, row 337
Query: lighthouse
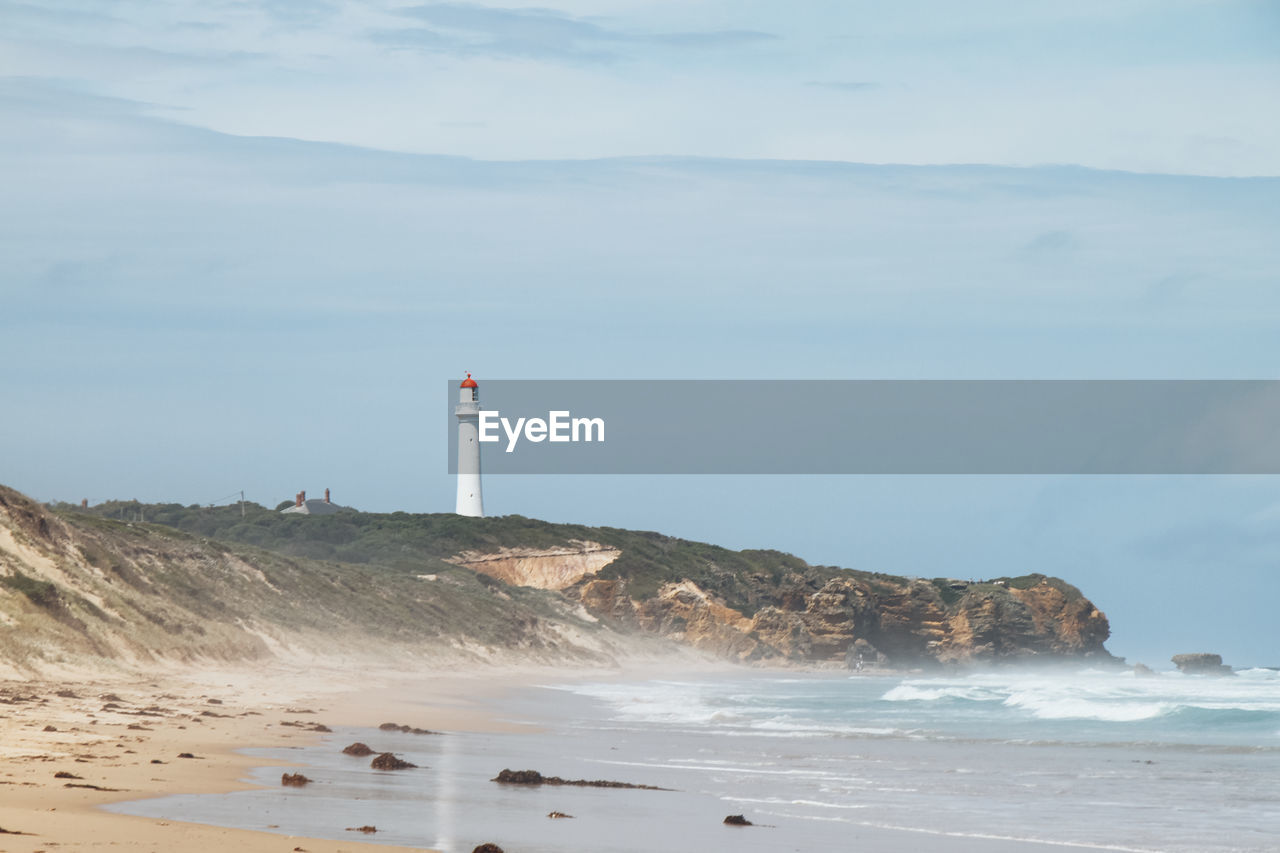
column 470, row 500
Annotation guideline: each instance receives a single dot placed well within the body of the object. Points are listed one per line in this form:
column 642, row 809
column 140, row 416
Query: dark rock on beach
column 533, row 777
column 737, row 820
column 488, row 848
column 560, row 815
column 293, row 780
column 359, row 750
column 409, row 730
column 388, row 761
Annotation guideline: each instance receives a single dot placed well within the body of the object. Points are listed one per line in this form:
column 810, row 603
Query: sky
column 244, row 243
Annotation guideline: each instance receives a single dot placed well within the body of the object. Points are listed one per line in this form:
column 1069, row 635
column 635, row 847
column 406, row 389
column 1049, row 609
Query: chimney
column 84, row 503
column 302, row 497
column 297, row 499
column 326, row 495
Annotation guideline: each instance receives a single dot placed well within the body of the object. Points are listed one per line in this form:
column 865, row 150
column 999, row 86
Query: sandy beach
column 72, row 744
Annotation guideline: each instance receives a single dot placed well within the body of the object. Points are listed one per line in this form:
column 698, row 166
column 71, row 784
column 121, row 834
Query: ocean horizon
column 1002, row 759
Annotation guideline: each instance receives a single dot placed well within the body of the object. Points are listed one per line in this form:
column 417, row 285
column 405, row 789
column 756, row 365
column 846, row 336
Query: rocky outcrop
column 874, row 618
column 533, row 778
column 409, row 730
column 388, row 761
column 686, row 613
column 1201, row 663
column 549, row 568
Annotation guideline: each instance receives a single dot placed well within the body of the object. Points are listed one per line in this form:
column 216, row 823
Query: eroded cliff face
column 898, row 621
column 548, row 568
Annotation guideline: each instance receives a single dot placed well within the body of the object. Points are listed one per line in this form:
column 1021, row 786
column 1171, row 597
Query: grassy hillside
column 409, row 542
column 77, row 585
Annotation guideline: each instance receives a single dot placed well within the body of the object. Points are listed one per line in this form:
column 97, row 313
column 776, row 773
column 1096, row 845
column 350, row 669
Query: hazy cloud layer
column 473, row 30
column 1154, row 86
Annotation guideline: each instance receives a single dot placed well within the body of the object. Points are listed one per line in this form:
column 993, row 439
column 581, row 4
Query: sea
column 1002, row 760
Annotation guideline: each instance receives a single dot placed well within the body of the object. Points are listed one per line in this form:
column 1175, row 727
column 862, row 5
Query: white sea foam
column 1116, row 697
column 915, row 692
column 1057, row 707
column 776, row 801
column 747, row 771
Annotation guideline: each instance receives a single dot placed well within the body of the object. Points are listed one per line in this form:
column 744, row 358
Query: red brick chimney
column 297, row 499
column 84, row 503
column 326, row 495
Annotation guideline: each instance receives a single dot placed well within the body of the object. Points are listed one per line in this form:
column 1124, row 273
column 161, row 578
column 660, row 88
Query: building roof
column 316, row 506
column 468, row 382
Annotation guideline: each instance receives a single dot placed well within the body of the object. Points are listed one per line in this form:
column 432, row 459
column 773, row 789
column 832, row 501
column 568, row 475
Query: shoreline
column 119, row 738
column 123, row 733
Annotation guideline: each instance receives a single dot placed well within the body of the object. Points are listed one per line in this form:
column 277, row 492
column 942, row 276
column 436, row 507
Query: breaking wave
column 1252, row 697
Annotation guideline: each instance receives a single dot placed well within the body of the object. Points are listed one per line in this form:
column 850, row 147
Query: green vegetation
column 1028, row 581
column 949, row 596
column 42, row 593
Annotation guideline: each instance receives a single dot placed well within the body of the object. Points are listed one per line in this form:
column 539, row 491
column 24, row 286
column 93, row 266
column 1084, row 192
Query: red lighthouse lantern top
column 468, row 382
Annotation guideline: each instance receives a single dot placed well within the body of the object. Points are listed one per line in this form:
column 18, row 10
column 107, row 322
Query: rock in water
column 488, row 848
column 737, row 820
column 366, row 829
column 293, row 780
column 1201, row 663
column 409, row 730
column 533, row 777
column 559, row 815
column 359, row 750
column 387, row 761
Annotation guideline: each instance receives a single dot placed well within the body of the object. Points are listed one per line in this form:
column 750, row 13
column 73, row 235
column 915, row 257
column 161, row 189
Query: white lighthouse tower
column 470, row 499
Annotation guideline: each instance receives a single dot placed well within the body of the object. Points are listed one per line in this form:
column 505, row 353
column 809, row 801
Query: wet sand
column 70, row 745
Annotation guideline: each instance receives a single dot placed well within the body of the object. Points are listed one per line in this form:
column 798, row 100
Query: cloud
column 845, row 85
column 469, row 29
column 1169, row 290
column 715, row 38
column 299, row 12
column 1054, row 242
column 14, row 14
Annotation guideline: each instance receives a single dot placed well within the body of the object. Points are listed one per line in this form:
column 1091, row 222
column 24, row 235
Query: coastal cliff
column 242, row 583
column 888, row 620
